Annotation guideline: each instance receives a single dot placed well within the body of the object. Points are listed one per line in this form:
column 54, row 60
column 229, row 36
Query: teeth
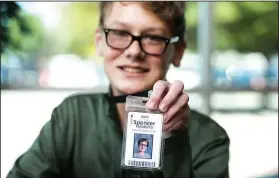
column 133, row 70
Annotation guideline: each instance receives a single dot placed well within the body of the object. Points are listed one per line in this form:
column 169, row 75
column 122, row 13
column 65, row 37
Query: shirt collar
column 113, row 100
column 122, row 98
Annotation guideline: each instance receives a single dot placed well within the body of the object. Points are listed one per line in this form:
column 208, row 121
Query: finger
column 159, row 89
column 180, row 104
column 180, row 125
column 180, row 115
column 175, row 90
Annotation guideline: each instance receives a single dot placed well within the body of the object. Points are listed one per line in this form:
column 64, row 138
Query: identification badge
column 142, row 142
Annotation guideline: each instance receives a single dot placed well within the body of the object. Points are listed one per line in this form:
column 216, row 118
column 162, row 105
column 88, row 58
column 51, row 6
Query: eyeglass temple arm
column 174, row 39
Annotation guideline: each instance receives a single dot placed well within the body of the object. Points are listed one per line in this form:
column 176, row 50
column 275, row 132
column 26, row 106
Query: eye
column 120, row 33
column 154, row 39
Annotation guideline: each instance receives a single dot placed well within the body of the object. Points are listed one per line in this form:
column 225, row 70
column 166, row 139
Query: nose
column 134, row 50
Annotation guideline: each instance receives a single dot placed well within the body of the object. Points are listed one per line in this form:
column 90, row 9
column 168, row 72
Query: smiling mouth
column 135, row 70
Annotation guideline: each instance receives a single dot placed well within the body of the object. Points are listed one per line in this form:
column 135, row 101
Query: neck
column 119, row 99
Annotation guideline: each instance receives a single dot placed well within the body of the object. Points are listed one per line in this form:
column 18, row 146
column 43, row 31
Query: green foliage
column 27, row 42
column 78, row 25
column 9, row 10
column 243, row 26
column 23, row 33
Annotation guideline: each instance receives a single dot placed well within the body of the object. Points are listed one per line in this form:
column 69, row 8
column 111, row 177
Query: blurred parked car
column 11, row 70
column 188, row 72
column 17, row 72
column 69, row 71
column 241, row 71
column 4, row 75
column 272, row 73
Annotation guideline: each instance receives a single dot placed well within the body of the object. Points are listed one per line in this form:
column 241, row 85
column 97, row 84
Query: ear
column 179, row 51
column 99, row 42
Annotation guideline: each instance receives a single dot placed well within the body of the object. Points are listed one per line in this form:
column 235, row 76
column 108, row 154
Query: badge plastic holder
column 143, row 143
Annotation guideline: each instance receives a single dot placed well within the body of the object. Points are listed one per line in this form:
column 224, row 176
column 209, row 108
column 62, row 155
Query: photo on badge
column 143, row 146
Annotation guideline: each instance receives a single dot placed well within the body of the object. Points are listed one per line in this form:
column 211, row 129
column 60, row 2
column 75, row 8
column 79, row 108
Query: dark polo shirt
column 83, row 139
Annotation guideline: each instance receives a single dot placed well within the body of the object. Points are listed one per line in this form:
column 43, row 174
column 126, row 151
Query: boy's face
column 131, row 70
column 142, row 146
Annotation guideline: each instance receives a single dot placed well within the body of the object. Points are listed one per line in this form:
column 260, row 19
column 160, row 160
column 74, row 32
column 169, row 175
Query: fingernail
column 165, row 128
column 163, row 107
column 152, row 105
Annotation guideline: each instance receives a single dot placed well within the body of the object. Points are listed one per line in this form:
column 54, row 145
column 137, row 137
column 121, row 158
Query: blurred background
column 230, row 71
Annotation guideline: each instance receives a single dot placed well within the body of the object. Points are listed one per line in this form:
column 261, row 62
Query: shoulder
column 72, row 105
column 147, row 155
column 76, row 112
column 207, row 138
column 205, row 133
column 201, row 124
column 81, row 99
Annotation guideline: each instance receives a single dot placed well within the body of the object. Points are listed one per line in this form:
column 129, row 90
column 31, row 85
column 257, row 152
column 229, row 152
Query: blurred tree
column 77, row 27
column 9, row 10
column 243, row 26
column 20, row 32
column 31, row 42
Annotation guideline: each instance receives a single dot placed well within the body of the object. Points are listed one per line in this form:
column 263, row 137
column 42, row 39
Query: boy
column 138, row 41
column 142, row 145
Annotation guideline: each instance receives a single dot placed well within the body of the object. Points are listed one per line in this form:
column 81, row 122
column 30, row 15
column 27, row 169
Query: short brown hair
column 171, row 12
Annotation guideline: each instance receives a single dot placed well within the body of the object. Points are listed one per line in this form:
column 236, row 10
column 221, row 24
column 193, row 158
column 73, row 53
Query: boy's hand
column 173, row 102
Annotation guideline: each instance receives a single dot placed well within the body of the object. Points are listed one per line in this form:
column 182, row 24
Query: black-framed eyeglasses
column 143, row 145
column 150, row 44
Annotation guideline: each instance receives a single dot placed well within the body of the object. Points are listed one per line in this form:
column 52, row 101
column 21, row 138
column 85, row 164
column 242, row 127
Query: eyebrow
column 146, row 30
column 155, row 29
column 123, row 24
